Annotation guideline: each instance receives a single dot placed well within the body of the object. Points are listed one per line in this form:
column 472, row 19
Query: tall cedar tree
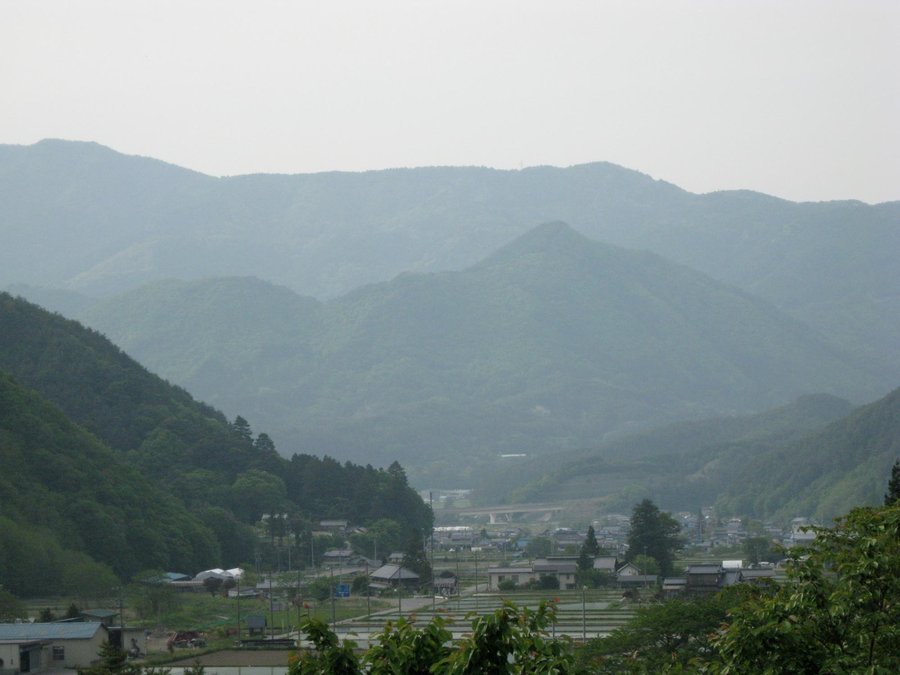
column 590, row 549
column 415, row 558
column 653, row 533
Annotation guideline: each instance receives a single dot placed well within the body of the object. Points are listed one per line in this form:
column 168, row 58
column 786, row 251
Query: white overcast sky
column 796, row 98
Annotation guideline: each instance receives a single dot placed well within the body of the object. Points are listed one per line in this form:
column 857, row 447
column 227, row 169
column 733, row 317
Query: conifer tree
column 893, row 493
column 653, row 533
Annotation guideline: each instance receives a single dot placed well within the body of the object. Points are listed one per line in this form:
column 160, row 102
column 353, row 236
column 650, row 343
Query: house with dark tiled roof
column 392, row 576
column 705, row 578
column 673, row 586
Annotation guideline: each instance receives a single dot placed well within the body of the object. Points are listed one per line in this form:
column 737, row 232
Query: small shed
column 445, row 586
column 107, row 617
column 256, row 624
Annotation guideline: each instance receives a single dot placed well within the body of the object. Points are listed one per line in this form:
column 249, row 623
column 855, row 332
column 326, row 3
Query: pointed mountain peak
column 547, row 240
column 553, row 231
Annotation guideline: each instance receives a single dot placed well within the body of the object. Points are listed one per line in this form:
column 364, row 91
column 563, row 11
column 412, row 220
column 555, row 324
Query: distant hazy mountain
column 671, row 463
column 816, row 457
column 554, row 341
column 83, row 217
column 823, row 474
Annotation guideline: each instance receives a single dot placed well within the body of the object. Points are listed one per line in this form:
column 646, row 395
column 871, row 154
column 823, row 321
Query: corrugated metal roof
column 393, row 572
column 100, row 613
column 82, row 630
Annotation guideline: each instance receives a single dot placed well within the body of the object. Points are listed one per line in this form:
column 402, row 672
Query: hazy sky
column 800, row 99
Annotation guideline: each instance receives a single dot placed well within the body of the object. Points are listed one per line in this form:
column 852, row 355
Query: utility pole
column 431, row 506
column 476, row 581
column 121, row 616
column 299, row 601
column 458, row 584
column 333, row 619
column 271, row 608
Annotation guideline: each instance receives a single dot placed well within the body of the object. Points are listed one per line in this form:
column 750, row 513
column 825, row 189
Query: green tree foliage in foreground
column 653, row 533
column 665, row 636
column 510, row 640
column 839, row 611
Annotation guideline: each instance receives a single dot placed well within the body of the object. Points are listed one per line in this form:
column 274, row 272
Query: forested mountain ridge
column 155, row 460
column 84, row 217
column 817, row 457
column 648, row 462
column 825, row 472
column 550, row 343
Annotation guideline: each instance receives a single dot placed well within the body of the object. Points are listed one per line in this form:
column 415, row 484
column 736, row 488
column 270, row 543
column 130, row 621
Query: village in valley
column 477, row 559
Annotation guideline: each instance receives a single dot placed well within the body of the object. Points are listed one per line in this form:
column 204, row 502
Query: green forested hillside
column 816, row 457
column 823, row 473
column 151, row 453
column 63, row 493
column 656, row 462
column 550, row 343
column 83, row 217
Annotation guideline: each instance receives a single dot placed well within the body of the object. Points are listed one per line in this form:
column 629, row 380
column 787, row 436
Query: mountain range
column 81, row 217
column 552, row 342
column 446, row 316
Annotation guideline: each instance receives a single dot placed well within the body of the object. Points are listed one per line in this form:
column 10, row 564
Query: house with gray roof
column 40, row 647
column 706, row 578
column 518, row 575
column 392, row 576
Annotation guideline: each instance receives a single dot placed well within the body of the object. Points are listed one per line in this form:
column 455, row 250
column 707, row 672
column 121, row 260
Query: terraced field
column 595, row 614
